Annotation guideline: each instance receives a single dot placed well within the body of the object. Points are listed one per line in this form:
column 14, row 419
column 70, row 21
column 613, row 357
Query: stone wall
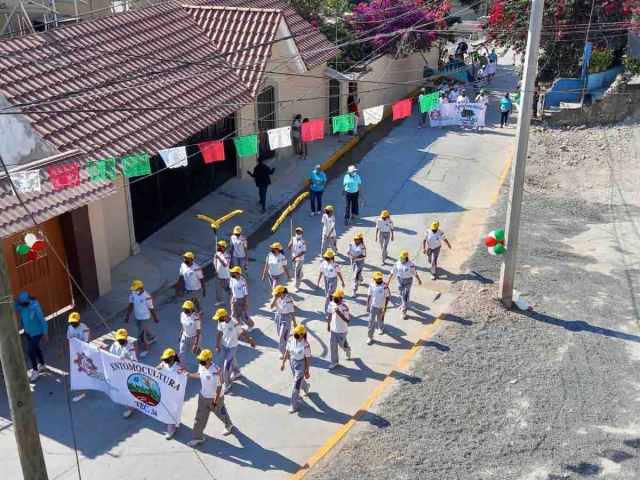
column 622, row 100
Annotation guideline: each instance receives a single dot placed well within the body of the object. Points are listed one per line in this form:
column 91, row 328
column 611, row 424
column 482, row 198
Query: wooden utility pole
column 23, row 414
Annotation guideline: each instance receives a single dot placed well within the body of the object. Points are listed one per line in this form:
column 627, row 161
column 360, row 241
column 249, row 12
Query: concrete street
column 419, row 175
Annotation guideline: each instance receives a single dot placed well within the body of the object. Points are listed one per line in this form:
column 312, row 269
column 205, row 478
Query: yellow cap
column 188, row 305
column 235, row 270
column 237, row 229
column 299, row 229
column 329, row 207
column 122, row 334
column 205, row 355
column 404, row 254
column 338, row 294
column 222, row 243
column 378, row 276
column 168, row 353
column 189, row 255
column 221, row 312
column 300, row 330
column 435, row 225
column 358, row 236
column 278, row 289
column 136, row 285
column 329, row 253
column 276, row 245
column 74, row 317
column 384, row 213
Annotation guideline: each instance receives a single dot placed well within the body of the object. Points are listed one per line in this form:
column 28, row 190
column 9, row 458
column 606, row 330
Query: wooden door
column 44, row 278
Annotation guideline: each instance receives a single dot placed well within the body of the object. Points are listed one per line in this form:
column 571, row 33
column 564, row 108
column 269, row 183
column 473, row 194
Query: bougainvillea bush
column 564, row 28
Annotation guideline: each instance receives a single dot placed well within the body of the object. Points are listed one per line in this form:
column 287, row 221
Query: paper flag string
column 25, row 182
column 343, row 123
column 401, row 109
column 64, row 176
column 373, row 115
column 174, row 157
column 429, row 102
column 313, row 130
column 135, row 165
column 246, row 145
column 212, row 151
column 279, row 137
column 103, row 170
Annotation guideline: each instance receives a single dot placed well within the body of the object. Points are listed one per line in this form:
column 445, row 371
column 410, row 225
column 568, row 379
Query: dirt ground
column 551, row 393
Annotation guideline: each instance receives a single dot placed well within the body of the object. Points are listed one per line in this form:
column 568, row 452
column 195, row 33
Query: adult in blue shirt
column 504, row 108
column 317, row 182
column 35, row 327
column 493, row 56
column 352, row 190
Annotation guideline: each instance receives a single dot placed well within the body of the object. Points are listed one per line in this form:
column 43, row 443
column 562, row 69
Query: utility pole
column 23, row 414
column 514, row 209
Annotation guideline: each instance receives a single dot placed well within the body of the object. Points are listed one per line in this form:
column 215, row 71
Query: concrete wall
column 621, row 101
column 19, row 142
column 633, row 44
column 567, row 90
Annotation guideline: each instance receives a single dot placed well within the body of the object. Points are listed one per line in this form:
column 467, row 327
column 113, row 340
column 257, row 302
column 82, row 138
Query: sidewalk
column 160, row 255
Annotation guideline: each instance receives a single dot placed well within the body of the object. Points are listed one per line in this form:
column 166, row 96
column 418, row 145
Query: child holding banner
column 81, row 332
column 170, row 362
column 125, row 350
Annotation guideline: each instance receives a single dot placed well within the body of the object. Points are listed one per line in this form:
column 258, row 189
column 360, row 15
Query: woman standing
column 296, row 134
column 357, row 253
column 190, row 330
column 240, row 298
column 304, row 146
column 338, row 326
column 377, row 301
column 298, row 352
column 222, row 260
column 504, row 107
column 81, row 332
column 298, row 247
column 384, row 232
column 35, row 329
column 229, row 331
column 123, row 349
column 276, row 265
column 405, row 271
column 431, row 244
column 285, row 315
column 329, row 230
column 330, row 270
column 171, row 363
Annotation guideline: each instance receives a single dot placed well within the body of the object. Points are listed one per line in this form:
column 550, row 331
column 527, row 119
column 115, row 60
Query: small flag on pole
column 429, row 102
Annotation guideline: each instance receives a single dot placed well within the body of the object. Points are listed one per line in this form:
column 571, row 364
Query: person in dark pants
column 317, row 182
column 262, row 175
column 536, row 98
column 505, row 107
column 353, row 191
column 35, row 328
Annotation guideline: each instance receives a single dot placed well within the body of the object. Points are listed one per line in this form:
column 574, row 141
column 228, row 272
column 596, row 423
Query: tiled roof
column 314, row 47
column 243, row 34
column 128, row 60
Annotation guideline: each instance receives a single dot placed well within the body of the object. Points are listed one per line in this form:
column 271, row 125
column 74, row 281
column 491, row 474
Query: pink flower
column 314, row 23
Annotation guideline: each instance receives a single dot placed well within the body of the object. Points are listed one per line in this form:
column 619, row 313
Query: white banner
column 87, row 372
column 157, row 393
column 470, row 114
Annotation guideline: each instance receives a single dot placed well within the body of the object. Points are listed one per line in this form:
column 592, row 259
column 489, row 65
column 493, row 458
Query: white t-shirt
column 231, row 331
column 239, row 244
column 453, row 96
column 442, row 100
column 142, row 305
column 482, row 100
column 404, row 270
column 81, row 333
column 385, row 225
column 211, row 379
column 298, row 349
column 434, row 240
column 337, row 324
column 490, row 68
column 120, row 351
column 223, row 271
column 328, row 222
column 276, row 263
column 176, row 367
column 357, row 250
column 285, row 305
column 378, row 294
column 192, row 276
column 463, row 100
column 191, row 323
column 329, row 269
column 298, row 246
column 239, row 287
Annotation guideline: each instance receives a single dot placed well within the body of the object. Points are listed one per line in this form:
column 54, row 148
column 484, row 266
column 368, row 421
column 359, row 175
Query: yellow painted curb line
column 503, row 176
column 367, row 404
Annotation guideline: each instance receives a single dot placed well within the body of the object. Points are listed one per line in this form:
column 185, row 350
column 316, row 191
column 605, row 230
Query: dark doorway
column 161, row 197
column 334, row 98
column 266, row 121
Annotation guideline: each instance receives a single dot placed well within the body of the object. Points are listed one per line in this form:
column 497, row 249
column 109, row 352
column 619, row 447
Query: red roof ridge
column 240, row 9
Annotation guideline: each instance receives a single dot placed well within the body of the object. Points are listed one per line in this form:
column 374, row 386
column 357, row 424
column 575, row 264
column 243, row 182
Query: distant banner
column 87, row 372
column 447, row 114
column 157, row 393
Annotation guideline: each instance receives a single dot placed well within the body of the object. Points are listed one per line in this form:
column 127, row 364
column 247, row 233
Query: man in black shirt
column 262, row 175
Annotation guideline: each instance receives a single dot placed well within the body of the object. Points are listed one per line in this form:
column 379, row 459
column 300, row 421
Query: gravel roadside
column 552, row 393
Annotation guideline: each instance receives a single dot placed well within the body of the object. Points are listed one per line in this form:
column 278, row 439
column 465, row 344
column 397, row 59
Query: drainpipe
column 134, row 248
